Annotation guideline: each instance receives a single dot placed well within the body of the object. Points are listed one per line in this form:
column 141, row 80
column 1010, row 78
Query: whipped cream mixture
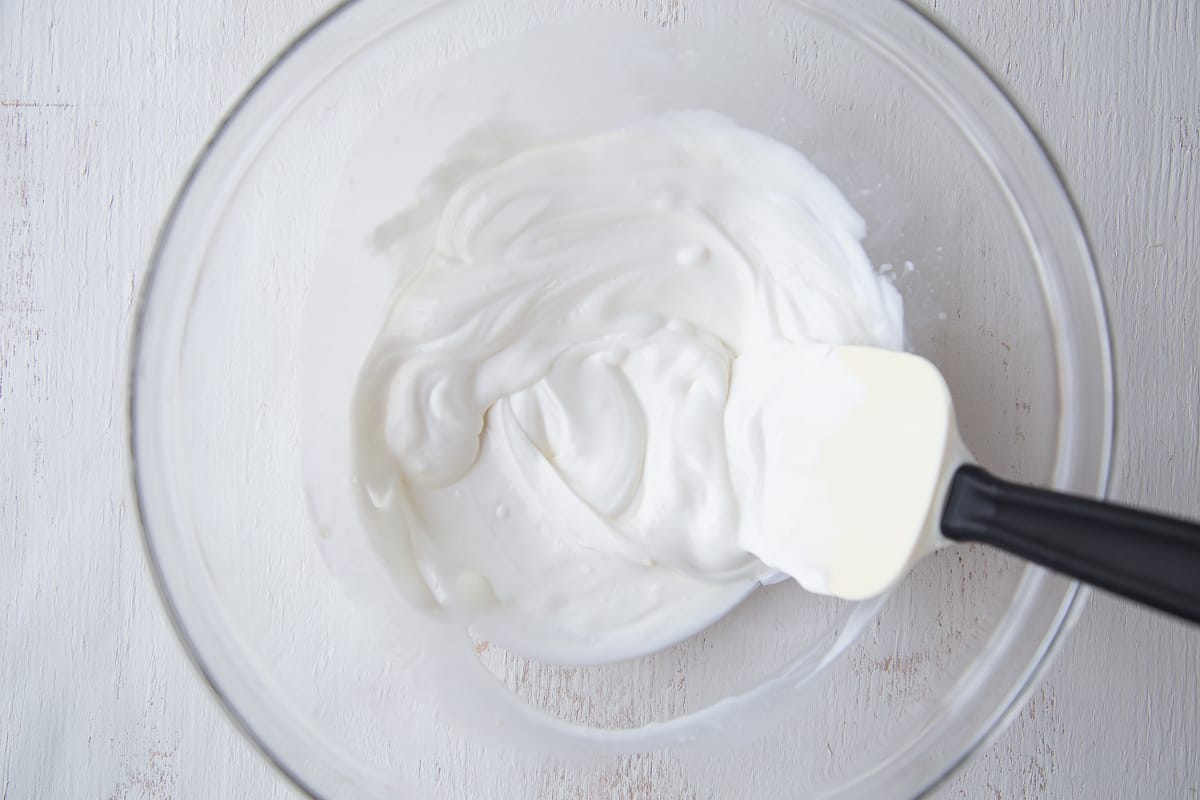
column 543, row 424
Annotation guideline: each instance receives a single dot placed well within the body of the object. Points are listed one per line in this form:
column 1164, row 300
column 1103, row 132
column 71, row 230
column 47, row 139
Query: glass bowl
column 790, row 695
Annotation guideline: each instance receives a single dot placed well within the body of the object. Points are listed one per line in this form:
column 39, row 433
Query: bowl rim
column 1075, row 595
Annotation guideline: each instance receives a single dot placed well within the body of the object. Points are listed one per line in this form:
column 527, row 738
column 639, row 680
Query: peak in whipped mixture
column 543, row 418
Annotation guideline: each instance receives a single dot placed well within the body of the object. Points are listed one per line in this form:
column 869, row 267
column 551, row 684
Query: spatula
column 870, row 475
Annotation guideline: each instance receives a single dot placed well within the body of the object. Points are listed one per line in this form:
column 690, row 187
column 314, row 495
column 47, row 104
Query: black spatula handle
column 1146, row 557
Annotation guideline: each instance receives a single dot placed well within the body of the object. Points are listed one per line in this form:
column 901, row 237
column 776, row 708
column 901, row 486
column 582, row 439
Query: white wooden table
column 102, row 107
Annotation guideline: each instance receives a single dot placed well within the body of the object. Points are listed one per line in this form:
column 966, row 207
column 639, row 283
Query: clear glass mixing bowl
column 819, row 698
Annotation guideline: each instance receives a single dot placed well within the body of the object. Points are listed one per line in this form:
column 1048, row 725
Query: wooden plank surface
column 102, row 107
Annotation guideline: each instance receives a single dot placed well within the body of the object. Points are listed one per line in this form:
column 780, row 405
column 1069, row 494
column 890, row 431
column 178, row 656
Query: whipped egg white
column 541, row 424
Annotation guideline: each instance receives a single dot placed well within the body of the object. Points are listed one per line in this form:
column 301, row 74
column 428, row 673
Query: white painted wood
column 102, row 106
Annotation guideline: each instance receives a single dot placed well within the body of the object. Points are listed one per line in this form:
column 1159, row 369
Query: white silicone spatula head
column 843, row 454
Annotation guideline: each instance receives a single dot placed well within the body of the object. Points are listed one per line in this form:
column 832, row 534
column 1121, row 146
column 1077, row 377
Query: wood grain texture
column 102, row 107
